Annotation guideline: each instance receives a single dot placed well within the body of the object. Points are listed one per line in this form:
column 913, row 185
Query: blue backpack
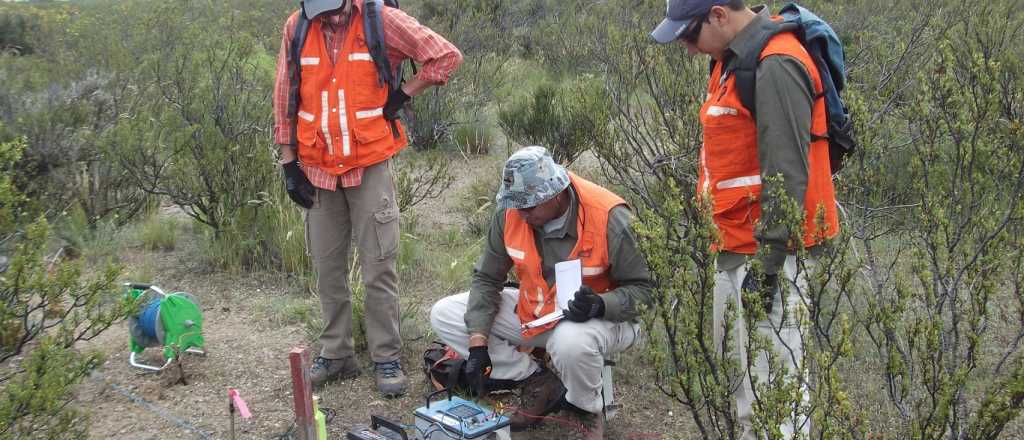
column 826, row 50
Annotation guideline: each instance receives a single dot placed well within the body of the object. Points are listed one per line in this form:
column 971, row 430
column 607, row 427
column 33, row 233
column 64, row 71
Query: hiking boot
column 391, row 380
column 591, row 425
column 541, row 394
column 329, row 370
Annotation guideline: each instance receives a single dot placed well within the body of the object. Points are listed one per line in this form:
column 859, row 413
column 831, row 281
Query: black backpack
column 444, row 367
column 373, row 27
column 826, row 50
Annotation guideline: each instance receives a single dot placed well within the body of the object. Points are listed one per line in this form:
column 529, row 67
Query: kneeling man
column 548, row 215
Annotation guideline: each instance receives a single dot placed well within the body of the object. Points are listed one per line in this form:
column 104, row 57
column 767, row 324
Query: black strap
column 294, row 61
column 745, row 67
column 373, row 24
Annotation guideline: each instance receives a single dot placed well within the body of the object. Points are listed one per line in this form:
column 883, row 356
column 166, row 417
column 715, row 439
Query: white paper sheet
column 568, row 279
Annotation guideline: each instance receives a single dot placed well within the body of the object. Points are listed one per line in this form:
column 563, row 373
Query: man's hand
column 765, row 286
column 585, row 305
column 299, row 189
column 396, row 100
column 478, row 368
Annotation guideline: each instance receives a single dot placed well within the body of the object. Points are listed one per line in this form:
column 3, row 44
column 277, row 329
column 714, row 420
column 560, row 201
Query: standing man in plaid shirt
column 336, row 144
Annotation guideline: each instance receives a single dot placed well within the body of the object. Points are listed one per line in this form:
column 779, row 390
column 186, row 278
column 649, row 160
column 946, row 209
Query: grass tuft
column 159, row 233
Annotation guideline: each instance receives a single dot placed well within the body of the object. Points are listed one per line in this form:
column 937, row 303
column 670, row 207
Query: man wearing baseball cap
column 546, row 215
column 740, row 162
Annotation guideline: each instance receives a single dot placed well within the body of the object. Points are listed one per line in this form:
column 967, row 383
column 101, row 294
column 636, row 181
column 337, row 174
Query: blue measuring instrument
column 457, row 418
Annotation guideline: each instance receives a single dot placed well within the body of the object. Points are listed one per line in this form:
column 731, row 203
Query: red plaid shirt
column 406, row 38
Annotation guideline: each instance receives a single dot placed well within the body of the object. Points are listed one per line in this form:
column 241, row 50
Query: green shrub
column 46, row 307
column 421, row 176
column 16, row 32
column 200, row 137
column 481, row 34
column 566, row 119
column 34, row 403
column 159, row 233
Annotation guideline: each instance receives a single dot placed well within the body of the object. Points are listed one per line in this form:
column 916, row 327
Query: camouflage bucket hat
column 530, row 177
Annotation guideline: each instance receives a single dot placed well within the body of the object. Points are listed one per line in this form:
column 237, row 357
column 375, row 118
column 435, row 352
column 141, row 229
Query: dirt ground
column 248, row 352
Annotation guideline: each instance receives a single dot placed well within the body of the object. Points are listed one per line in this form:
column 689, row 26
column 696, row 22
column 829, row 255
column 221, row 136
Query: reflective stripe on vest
column 340, row 123
column 730, row 170
column 536, row 297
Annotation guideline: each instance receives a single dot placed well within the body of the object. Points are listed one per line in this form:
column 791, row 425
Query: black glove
column 585, row 305
column 298, row 186
column 396, row 100
column 478, row 369
column 765, row 286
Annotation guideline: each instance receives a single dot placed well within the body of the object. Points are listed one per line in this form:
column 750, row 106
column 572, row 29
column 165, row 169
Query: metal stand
column 134, row 363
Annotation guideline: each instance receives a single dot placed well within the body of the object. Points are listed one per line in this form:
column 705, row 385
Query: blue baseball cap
column 678, row 14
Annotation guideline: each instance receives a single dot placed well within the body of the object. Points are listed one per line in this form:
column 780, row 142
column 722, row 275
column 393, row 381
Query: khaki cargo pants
column 786, row 336
column 369, row 213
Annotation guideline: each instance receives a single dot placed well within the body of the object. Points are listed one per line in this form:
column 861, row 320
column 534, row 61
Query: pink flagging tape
column 236, row 400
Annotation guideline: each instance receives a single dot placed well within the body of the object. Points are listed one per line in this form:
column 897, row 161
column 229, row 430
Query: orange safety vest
column 340, row 123
column 729, row 167
column 536, row 297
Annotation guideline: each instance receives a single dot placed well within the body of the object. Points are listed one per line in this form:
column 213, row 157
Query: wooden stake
column 302, row 391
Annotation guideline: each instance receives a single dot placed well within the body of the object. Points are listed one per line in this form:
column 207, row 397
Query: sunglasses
column 692, row 33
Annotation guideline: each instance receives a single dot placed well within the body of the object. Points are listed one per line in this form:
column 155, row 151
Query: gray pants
column 577, row 350
column 370, row 212
column 786, row 337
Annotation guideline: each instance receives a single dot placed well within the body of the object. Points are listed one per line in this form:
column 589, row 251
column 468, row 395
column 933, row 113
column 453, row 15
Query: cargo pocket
column 735, row 208
column 386, row 224
column 370, row 126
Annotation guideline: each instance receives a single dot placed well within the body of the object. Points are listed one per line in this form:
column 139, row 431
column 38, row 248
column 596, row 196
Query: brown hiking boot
column 540, row 394
column 591, row 425
column 329, row 370
column 391, row 380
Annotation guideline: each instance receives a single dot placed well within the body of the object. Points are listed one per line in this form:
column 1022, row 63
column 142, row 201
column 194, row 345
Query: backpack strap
column 398, row 70
column 373, row 24
column 745, row 67
column 294, row 56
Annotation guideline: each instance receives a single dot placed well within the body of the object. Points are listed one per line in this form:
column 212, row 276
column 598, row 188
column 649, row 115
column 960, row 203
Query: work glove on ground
column 478, row 369
column 585, row 305
column 396, row 100
column 763, row 286
column 299, row 189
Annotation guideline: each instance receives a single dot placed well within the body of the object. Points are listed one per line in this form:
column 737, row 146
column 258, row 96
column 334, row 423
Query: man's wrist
column 477, row 340
column 287, row 154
